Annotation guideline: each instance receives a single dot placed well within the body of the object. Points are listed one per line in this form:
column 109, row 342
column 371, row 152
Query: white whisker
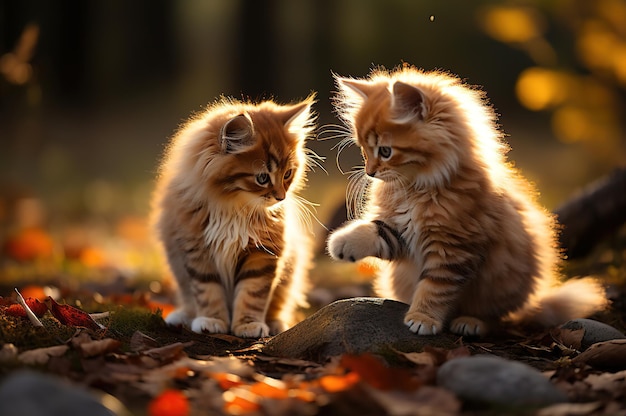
column 356, row 192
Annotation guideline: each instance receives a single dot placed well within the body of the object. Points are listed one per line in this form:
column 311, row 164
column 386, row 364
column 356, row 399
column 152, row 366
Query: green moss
column 25, row 336
column 123, row 322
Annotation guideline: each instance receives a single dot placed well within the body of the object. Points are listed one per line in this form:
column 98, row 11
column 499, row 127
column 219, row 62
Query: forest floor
column 149, row 368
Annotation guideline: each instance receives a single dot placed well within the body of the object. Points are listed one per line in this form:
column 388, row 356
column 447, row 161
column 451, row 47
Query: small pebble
column 495, row 380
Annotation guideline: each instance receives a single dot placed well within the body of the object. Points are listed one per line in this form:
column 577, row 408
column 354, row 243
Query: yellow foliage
column 539, row 88
column 512, row 24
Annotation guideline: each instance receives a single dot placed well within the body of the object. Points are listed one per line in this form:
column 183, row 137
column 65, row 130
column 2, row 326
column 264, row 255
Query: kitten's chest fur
column 227, row 234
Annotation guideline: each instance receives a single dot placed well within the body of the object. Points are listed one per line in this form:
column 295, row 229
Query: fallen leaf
column 69, row 315
column 29, row 313
column 612, row 383
column 239, row 401
column 374, row 372
column 570, row 409
column 99, row 347
column 141, row 342
column 610, row 355
column 41, row 356
column 169, row 403
column 571, row 338
column 419, row 358
column 429, row 400
column 167, row 353
column 335, row 383
column 227, row 381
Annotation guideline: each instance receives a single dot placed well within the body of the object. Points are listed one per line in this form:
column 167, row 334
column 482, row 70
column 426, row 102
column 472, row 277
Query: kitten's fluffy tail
column 552, row 306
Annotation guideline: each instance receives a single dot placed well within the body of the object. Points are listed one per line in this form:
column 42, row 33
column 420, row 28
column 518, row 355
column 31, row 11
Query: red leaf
column 37, row 307
column 69, row 315
column 169, row 403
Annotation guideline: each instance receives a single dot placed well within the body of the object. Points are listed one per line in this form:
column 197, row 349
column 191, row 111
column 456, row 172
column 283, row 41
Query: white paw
column 212, row 325
column 469, row 326
column 353, row 243
column 252, row 330
column 177, row 317
column 422, row 324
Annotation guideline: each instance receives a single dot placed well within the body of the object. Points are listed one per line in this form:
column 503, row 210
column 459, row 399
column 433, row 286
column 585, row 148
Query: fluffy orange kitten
column 228, row 215
column 465, row 242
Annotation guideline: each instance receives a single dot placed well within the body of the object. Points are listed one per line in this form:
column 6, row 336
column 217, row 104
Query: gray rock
column 594, row 331
column 495, row 380
column 355, row 326
column 27, row 393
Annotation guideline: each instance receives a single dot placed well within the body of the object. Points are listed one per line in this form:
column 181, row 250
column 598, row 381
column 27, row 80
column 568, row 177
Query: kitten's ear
column 237, row 134
column 298, row 116
column 407, row 103
column 363, row 89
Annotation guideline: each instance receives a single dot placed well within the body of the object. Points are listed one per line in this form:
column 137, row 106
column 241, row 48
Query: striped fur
column 229, row 218
column 464, row 241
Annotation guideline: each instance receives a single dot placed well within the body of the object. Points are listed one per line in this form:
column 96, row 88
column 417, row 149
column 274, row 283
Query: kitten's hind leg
column 469, row 326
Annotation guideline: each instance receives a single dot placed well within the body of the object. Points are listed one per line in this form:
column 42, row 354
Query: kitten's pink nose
column 279, row 194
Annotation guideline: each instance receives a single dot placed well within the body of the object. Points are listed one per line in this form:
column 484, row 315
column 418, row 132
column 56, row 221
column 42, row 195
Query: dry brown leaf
column 571, row 338
column 609, row 355
column 167, row 353
column 570, row 409
column 613, row 383
column 99, row 347
column 425, row 401
column 419, row 358
column 141, row 342
column 41, row 356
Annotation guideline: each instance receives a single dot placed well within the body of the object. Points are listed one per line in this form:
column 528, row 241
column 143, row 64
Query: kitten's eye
column 262, row 179
column 384, row 152
column 288, row 174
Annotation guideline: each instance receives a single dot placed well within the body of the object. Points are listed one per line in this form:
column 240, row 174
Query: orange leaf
column 239, row 401
column 375, row 373
column 227, row 380
column 169, row 403
column 335, row 384
column 69, row 315
column 268, row 391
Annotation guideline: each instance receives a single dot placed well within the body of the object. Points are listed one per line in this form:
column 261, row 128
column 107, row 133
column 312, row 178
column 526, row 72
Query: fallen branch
column 593, row 214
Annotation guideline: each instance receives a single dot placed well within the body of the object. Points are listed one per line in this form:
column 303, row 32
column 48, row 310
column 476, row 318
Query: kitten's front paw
column 178, row 317
column 252, row 330
column 422, row 324
column 467, row 325
column 212, row 325
column 353, row 243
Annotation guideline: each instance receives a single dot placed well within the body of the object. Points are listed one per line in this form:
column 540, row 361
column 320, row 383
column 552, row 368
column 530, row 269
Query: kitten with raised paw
column 459, row 232
column 228, row 215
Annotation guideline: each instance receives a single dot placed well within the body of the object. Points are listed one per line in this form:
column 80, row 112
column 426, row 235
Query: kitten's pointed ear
column 298, row 116
column 363, row 89
column 407, row 103
column 237, row 134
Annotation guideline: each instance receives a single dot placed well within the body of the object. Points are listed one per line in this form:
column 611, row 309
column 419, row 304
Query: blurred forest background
column 90, row 92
